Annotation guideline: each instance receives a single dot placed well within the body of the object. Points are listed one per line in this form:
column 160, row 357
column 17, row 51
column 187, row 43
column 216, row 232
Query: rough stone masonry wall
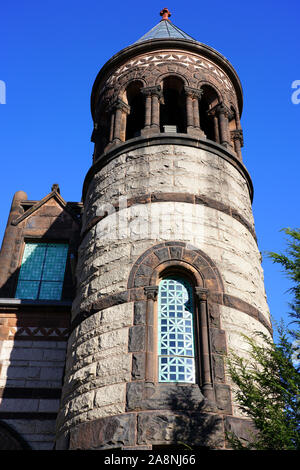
column 160, row 172
column 98, row 362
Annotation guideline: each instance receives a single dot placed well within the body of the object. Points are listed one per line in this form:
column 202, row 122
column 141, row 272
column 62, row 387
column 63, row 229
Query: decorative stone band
column 178, row 197
column 135, row 51
column 34, row 320
column 138, row 293
column 144, row 277
column 167, row 139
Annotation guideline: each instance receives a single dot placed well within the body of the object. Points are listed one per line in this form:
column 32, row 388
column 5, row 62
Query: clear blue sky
column 51, row 52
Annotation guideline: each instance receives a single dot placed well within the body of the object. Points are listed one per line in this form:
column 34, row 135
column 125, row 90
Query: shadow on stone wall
column 179, row 415
column 195, row 426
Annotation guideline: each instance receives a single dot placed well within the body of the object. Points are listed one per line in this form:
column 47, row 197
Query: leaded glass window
column 176, row 353
column 42, row 271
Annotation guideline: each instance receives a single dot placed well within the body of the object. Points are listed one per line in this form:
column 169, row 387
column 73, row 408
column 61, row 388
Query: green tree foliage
column 291, row 264
column 268, row 381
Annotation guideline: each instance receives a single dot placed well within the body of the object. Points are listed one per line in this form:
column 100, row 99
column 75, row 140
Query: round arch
column 208, row 83
column 176, row 74
column 147, row 269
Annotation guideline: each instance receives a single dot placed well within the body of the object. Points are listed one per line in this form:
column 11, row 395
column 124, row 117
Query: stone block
column 148, row 396
column 192, row 429
column 242, row 428
column 223, row 398
column 140, row 312
column 218, row 341
column 138, row 366
column 136, row 339
column 108, row 432
column 109, row 395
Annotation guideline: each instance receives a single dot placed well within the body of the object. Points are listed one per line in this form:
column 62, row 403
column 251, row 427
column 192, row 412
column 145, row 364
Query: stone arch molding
column 146, row 270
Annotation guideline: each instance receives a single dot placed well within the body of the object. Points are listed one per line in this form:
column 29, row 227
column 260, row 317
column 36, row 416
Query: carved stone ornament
column 201, row 293
column 193, row 92
column 220, row 109
column 237, row 134
column 151, row 292
column 152, row 90
column 119, row 104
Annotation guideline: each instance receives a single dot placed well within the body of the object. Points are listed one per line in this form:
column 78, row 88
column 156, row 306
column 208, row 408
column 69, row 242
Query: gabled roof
column 35, row 205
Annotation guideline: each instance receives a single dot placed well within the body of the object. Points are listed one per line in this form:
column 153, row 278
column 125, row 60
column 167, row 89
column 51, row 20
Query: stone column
column 148, row 110
column 150, row 369
column 206, row 374
column 117, row 125
column 237, row 137
column 216, row 129
column 192, row 111
column 112, row 125
column 196, row 112
column 119, row 128
column 223, row 113
column 189, row 111
column 155, row 124
column 152, row 115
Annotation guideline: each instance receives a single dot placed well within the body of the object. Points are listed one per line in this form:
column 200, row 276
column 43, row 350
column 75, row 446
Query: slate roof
column 164, row 30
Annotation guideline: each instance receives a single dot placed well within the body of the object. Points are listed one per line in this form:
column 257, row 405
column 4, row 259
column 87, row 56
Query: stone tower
column 169, row 272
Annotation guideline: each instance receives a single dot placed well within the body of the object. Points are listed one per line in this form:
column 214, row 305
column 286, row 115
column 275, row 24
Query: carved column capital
column 220, row 109
column 151, row 292
column 193, row 92
column 152, row 90
column 118, row 103
column 237, row 134
column 201, row 293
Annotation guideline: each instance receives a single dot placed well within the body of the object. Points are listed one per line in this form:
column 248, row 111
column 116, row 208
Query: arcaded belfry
column 169, row 272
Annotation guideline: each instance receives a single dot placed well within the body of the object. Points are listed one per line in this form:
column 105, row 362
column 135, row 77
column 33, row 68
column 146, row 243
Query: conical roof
column 165, row 29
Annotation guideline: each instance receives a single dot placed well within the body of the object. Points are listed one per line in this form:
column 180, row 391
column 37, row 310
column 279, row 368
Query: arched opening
column 173, row 107
column 232, row 122
column 136, row 117
column 176, row 330
column 101, row 132
column 208, row 100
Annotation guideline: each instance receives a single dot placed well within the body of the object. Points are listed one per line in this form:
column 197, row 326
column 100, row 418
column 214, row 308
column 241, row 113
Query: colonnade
column 220, row 116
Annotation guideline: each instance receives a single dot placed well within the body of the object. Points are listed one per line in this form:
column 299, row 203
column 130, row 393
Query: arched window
column 208, row 100
column 173, row 107
column 176, row 348
column 136, row 117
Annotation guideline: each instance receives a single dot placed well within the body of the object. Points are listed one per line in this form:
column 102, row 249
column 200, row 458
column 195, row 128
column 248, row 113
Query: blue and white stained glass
column 42, row 271
column 176, row 354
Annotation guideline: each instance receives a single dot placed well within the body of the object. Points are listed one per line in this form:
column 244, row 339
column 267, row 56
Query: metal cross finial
column 165, row 14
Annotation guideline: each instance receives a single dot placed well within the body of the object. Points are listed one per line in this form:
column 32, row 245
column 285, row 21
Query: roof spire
column 165, row 14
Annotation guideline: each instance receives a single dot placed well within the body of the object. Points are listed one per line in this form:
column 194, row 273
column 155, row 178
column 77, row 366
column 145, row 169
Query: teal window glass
column 176, row 353
column 42, row 271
